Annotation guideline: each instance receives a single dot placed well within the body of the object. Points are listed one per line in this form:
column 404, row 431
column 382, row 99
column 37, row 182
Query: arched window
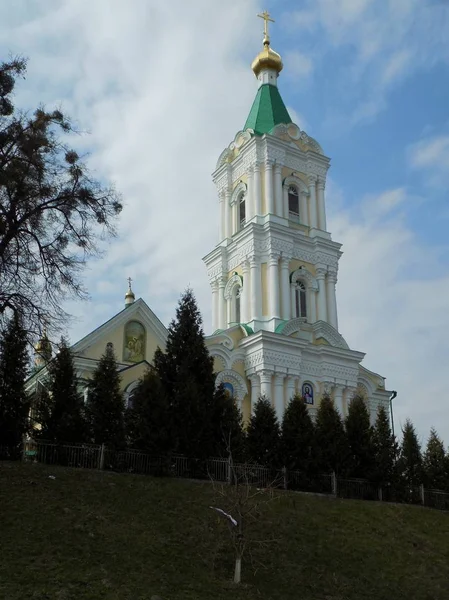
column 300, row 300
column 242, row 211
column 293, row 203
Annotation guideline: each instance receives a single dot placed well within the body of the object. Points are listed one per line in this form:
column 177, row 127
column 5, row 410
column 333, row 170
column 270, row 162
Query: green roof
column 267, row 111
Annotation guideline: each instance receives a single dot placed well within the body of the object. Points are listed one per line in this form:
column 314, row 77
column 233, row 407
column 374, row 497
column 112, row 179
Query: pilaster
column 322, row 304
column 265, row 383
column 321, row 204
column 332, row 298
column 285, row 289
column 214, row 286
column 245, row 297
column 255, row 390
column 257, row 190
column 221, row 304
column 313, row 202
column 279, row 395
column 256, row 288
column 273, row 273
column 278, row 199
column 269, row 195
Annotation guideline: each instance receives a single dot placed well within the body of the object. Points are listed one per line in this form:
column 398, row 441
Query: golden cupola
column 129, row 296
column 42, row 350
column 267, row 59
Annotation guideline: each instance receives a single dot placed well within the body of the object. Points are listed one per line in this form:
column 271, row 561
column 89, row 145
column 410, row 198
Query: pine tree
column 66, row 415
column 147, row 420
column 298, row 437
column 360, row 439
column 331, row 442
column 263, row 435
column 188, row 381
column 227, row 426
column 385, row 450
column 410, row 461
column 14, row 403
column 105, row 406
column 434, row 463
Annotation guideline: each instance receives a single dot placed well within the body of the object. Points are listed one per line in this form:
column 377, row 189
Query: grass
column 89, row 535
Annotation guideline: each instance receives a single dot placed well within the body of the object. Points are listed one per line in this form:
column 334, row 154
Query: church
column 273, row 276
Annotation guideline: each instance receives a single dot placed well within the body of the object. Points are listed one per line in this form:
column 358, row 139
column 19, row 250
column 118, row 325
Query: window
column 293, row 204
column 242, row 211
column 300, row 300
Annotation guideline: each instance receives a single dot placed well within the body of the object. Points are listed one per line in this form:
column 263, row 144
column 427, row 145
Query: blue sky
column 162, row 89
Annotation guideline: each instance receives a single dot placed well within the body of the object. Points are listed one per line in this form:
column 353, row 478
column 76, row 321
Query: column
column 285, row 289
column 332, row 299
column 257, row 190
column 269, row 192
column 312, row 306
column 229, row 318
column 221, row 304
column 256, row 288
column 291, row 383
column 265, row 383
column 285, row 201
column 228, row 225
column 321, row 205
column 250, row 209
column 255, row 390
column 322, row 305
column 221, row 225
column 338, row 399
column 244, row 298
column 279, row 395
column 293, row 300
column 303, row 212
column 214, row 305
column 278, row 199
column 313, row 202
column 273, row 285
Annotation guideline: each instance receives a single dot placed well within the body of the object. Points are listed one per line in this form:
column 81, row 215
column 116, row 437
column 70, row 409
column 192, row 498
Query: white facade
column 273, row 276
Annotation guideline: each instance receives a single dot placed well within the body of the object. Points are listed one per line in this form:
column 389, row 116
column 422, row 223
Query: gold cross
column 129, row 282
column 266, row 17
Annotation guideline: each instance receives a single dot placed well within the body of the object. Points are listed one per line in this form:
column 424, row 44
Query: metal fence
column 91, row 456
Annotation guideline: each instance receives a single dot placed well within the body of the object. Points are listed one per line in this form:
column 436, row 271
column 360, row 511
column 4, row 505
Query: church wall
column 116, row 337
column 133, row 374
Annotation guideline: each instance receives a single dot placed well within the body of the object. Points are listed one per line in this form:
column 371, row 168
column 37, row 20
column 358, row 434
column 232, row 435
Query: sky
column 160, row 89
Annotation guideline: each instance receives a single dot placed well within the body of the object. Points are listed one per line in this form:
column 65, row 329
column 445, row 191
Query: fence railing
column 91, row 456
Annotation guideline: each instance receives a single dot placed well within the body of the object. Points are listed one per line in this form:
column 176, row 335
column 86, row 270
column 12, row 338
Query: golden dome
column 129, row 294
column 43, row 345
column 267, row 59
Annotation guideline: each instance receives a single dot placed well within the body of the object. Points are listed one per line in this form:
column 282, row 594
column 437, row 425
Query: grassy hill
column 96, row 535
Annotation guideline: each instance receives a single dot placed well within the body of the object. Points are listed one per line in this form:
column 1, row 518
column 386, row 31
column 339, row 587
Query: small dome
column 267, row 59
column 130, row 294
column 43, row 346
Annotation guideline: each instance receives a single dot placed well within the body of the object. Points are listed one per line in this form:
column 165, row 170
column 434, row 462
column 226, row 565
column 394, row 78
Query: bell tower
column 275, row 260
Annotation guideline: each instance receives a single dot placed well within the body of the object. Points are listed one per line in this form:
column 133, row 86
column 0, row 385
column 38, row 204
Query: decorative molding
column 294, row 326
column 305, row 275
column 297, row 182
column 264, row 358
column 275, row 155
column 241, row 187
column 330, row 334
column 232, row 282
column 239, row 384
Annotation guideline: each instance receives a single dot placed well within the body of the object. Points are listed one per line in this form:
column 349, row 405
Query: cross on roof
column 266, row 17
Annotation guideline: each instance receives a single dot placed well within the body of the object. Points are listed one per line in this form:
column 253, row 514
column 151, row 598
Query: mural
column 134, row 343
column 229, row 388
column 307, row 392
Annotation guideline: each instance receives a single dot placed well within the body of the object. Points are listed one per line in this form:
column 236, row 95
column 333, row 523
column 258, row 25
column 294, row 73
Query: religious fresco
column 229, row 388
column 307, row 392
column 134, row 343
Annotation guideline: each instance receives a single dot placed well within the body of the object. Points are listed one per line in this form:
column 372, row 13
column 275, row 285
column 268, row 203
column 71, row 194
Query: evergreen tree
column 105, row 407
column 410, row 461
column 385, row 450
column 331, row 442
column 14, row 403
column 360, row 439
column 227, row 425
column 298, row 437
column 263, row 435
column 65, row 422
column 188, row 381
column 434, row 463
column 147, row 420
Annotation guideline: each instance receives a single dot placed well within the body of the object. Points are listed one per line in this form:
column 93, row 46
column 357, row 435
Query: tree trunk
column 238, row 569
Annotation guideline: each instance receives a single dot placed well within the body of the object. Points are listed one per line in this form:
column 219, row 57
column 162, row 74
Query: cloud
column 391, row 307
column 298, row 65
column 431, row 157
column 382, row 42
